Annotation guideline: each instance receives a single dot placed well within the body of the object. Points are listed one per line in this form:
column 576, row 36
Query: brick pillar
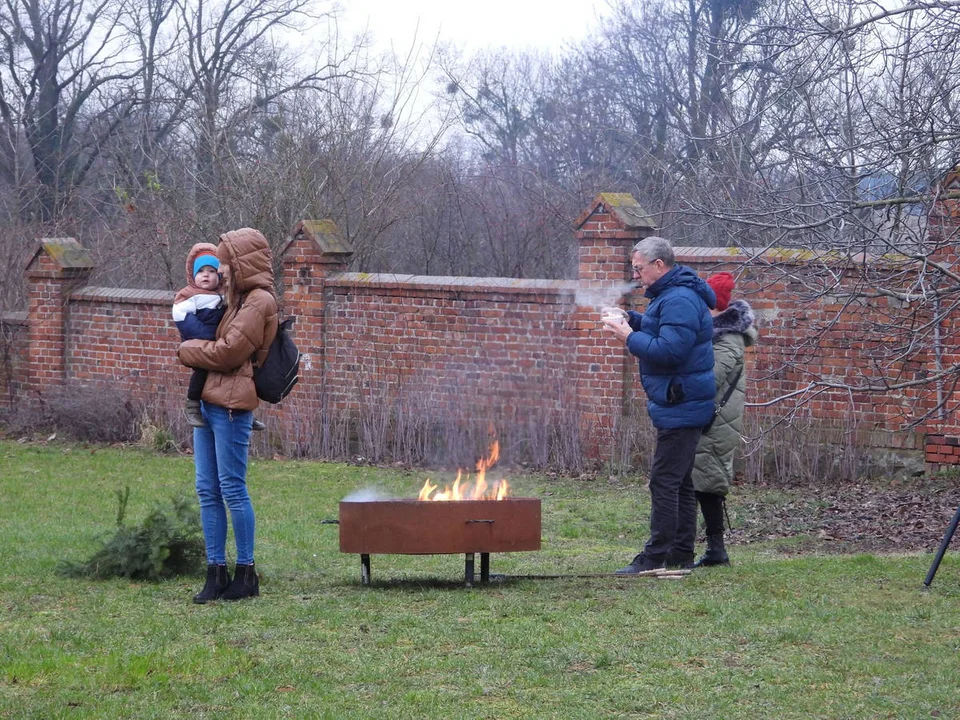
column 13, row 360
column 606, row 232
column 942, row 434
column 315, row 251
column 58, row 266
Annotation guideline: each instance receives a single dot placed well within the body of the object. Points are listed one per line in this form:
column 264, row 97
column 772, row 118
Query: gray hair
column 655, row 248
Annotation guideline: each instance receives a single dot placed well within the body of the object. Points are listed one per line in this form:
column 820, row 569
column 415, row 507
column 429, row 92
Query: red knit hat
column 722, row 284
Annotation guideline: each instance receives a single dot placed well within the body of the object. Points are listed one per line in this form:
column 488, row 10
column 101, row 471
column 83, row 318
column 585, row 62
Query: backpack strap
column 260, row 355
column 729, row 392
column 723, row 401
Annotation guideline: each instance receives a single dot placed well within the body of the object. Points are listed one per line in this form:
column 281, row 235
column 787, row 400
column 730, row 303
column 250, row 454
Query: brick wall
column 810, row 340
column 13, row 361
column 124, row 339
column 479, row 347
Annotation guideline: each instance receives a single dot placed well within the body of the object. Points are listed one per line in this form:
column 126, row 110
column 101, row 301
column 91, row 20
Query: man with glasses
column 673, row 341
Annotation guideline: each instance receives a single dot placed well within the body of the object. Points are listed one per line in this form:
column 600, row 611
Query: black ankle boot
column 217, row 581
column 716, row 553
column 246, row 584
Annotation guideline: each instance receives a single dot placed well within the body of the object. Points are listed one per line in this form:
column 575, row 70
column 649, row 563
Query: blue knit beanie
column 203, row 261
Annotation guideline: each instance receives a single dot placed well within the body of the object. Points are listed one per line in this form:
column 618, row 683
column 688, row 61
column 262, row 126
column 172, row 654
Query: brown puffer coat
column 248, row 327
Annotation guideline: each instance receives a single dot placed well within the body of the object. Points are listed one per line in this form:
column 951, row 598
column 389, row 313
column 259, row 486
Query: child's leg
column 195, row 389
column 191, row 411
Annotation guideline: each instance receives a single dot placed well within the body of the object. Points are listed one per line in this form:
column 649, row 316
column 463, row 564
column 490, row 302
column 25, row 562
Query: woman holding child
column 228, row 399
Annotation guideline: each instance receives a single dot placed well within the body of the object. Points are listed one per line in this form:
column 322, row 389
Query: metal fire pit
column 413, row 527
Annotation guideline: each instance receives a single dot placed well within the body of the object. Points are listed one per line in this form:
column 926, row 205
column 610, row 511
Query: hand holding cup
column 613, row 314
column 615, row 320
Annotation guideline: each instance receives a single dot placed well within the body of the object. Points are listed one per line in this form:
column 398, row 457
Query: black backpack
column 281, row 368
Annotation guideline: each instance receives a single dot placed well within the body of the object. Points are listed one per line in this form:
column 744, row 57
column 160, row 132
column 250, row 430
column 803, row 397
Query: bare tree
column 840, row 156
column 817, row 126
column 519, row 205
column 236, row 67
column 64, row 85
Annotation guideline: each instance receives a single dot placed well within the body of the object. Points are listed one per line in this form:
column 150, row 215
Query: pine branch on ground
column 168, row 542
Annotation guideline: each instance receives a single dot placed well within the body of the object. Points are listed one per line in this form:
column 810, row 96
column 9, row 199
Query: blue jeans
column 220, row 458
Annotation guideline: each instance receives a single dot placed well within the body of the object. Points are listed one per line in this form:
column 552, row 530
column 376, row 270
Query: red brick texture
column 484, row 347
column 13, row 360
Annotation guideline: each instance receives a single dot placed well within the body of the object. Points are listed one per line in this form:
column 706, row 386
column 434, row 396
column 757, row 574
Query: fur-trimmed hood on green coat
column 733, row 331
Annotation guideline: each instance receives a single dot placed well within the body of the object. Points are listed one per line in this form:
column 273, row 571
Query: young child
column 197, row 311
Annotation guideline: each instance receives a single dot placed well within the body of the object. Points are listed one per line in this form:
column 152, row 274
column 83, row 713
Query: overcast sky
column 473, row 24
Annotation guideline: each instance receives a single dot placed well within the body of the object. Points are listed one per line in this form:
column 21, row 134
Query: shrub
column 84, row 413
column 157, row 436
column 166, row 544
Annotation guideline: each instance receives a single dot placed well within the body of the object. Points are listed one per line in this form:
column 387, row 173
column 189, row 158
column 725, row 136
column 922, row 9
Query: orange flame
column 478, row 490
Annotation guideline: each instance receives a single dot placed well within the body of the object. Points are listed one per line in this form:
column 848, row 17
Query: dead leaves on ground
column 851, row 518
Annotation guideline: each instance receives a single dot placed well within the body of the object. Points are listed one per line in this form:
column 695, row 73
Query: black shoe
column 257, row 425
column 246, row 584
column 641, row 563
column 682, row 560
column 217, row 581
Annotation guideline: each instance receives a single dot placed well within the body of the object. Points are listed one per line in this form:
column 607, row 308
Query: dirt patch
column 848, row 519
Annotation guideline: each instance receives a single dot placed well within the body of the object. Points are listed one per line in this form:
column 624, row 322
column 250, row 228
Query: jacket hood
column 247, row 253
column 737, row 318
column 682, row 276
column 203, row 248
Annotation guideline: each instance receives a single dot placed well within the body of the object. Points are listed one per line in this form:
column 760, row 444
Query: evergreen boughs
column 167, row 543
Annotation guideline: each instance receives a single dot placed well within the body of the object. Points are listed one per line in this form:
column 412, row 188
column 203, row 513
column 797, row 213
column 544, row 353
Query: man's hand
column 615, row 320
column 613, row 312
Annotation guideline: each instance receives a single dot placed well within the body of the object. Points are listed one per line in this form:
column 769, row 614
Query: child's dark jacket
column 197, row 312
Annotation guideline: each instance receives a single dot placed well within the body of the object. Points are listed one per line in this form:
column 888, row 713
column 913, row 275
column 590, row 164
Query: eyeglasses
column 637, row 269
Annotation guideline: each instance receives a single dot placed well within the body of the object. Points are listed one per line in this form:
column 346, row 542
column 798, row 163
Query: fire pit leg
column 468, row 570
column 484, row 567
column 364, row 569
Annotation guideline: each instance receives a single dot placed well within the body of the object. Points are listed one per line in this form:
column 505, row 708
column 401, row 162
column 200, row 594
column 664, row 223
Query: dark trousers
column 673, row 511
column 711, row 506
column 195, row 389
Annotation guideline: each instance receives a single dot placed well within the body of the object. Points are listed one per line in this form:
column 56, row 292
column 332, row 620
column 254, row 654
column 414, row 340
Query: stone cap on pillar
column 622, row 208
column 59, row 258
column 605, row 232
column 318, row 241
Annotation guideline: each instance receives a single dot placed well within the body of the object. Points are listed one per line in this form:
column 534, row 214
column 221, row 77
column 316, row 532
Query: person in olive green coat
column 733, row 332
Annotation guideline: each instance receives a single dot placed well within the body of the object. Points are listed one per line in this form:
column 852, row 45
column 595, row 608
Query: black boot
column 716, row 553
column 246, row 584
column 217, row 581
column 711, row 506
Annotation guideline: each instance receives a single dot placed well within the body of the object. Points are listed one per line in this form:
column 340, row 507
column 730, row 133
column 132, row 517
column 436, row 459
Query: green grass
column 808, row 637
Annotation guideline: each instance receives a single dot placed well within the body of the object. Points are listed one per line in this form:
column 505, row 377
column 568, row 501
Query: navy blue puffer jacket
column 674, row 341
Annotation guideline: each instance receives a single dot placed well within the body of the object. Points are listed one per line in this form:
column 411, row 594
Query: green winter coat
column 733, row 331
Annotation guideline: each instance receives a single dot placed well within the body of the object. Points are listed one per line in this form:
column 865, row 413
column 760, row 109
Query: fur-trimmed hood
column 737, row 318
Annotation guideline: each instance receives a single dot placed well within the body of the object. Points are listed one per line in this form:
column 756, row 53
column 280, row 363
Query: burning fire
column 477, row 490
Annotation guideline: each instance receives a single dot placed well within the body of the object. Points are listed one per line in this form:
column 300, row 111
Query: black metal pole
column 364, row 569
column 468, row 569
column 947, row 537
column 485, row 567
